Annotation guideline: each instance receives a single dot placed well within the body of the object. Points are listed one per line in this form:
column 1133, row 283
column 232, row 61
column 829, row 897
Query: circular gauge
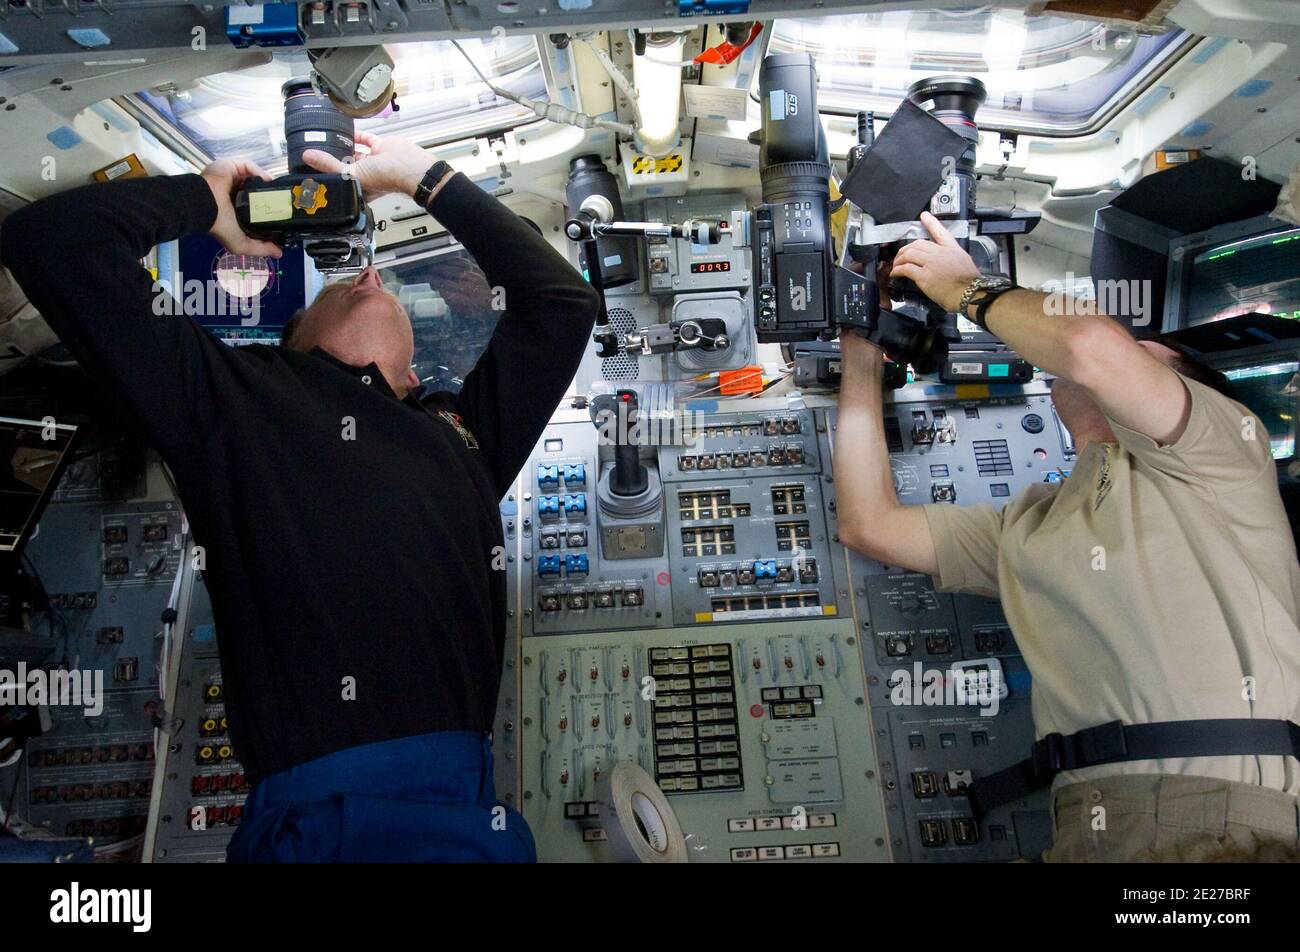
column 244, row 277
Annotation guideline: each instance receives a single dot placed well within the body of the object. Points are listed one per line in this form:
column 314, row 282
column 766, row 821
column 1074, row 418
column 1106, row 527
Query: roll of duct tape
column 639, row 825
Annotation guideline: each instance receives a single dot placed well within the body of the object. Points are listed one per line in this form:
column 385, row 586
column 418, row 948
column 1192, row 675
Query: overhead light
column 658, row 84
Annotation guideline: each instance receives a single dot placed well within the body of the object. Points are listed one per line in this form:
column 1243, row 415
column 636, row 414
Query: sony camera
column 324, row 213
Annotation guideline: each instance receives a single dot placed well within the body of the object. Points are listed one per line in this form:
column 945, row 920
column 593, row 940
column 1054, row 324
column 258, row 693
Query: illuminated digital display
column 1269, row 390
column 709, row 267
column 1260, row 274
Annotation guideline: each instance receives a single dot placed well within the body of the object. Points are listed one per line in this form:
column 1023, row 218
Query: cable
column 64, row 364
column 620, row 80
column 169, row 627
column 129, row 845
column 13, row 796
column 49, row 605
column 549, row 110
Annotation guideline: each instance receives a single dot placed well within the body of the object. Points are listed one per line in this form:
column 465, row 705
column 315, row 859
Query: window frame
column 1120, row 100
column 180, row 142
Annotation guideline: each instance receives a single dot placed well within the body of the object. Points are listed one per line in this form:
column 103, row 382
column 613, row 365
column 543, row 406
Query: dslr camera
column 324, row 213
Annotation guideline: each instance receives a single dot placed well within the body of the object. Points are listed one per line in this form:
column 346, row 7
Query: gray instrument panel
column 581, row 710
column 108, row 569
column 754, row 731
column 949, row 450
column 779, row 690
column 201, row 783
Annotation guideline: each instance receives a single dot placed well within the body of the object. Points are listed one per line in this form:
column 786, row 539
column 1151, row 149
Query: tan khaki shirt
column 1156, row 583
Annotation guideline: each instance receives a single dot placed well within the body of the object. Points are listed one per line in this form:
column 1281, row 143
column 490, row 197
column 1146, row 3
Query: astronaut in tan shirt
column 1159, row 582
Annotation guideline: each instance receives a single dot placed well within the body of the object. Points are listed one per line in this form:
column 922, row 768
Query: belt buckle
column 1049, row 755
column 1104, row 744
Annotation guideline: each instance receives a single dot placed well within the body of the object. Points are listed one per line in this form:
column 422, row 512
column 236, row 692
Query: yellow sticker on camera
column 270, row 206
column 309, row 196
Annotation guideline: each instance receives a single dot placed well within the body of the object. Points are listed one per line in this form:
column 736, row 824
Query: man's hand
column 387, row 166
column 940, row 268
column 224, row 177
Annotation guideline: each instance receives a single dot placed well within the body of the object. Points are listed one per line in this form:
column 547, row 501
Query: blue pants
column 422, row 799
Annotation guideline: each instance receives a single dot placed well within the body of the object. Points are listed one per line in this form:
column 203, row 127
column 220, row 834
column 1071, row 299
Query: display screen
column 1257, row 275
column 709, row 267
column 35, row 454
column 1270, row 390
column 241, row 299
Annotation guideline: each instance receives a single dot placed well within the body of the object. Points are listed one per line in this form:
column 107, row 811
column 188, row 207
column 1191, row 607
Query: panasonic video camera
column 324, row 213
column 802, row 292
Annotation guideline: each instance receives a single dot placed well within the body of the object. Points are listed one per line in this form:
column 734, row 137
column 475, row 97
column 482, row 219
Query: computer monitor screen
column 1270, row 390
column 241, row 299
column 35, row 453
column 1257, row 274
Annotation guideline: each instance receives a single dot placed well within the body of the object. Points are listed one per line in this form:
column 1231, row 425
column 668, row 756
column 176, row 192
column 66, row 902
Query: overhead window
column 240, row 114
column 1043, row 74
column 452, row 308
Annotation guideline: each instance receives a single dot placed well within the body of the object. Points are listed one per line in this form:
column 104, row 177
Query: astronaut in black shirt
column 350, row 520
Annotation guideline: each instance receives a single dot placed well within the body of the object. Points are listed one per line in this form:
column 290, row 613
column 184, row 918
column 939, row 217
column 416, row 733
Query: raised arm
column 509, row 396
column 1130, row 385
column 872, row 520
column 77, row 255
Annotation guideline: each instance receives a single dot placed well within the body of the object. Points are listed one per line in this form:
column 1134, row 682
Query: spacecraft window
column 453, row 312
column 239, row 114
column 1044, row 74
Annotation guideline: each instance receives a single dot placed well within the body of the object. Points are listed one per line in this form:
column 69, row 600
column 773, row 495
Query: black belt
column 1117, row 742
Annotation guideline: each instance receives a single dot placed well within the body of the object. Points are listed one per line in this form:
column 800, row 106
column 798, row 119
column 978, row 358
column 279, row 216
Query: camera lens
column 312, row 121
column 955, row 100
column 618, row 255
column 793, row 163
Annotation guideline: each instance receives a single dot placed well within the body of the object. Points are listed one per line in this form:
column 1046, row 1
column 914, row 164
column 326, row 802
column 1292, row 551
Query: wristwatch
column 424, row 191
column 982, row 292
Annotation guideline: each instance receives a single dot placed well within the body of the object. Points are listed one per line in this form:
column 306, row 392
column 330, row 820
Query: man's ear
column 412, row 380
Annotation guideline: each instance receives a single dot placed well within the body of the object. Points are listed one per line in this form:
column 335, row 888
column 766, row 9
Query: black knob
column 1032, row 423
column 629, row 477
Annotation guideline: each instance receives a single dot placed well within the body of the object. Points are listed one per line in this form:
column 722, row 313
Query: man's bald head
column 359, row 322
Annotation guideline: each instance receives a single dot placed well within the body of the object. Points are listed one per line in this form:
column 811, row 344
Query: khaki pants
column 1162, row 818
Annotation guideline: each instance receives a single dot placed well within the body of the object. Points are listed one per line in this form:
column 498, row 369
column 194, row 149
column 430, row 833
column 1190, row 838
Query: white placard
column 723, row 150
column 715, row 102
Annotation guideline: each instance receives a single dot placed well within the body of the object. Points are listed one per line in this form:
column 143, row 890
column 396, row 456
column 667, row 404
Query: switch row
column 550, row 474
column 582, row 600
column 571, row 564
column 771, row 824
column 749, row 854
column 757, row 573
column 774, row 456
column 554, row 538
column 572, row 504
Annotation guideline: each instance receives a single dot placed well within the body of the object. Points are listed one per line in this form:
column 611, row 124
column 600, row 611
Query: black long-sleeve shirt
column 327, row 558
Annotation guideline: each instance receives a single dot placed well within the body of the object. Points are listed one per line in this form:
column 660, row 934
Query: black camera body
column 325, row 213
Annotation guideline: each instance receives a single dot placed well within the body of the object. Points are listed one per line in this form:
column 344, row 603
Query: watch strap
column 984, row 300
column 424, row 191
